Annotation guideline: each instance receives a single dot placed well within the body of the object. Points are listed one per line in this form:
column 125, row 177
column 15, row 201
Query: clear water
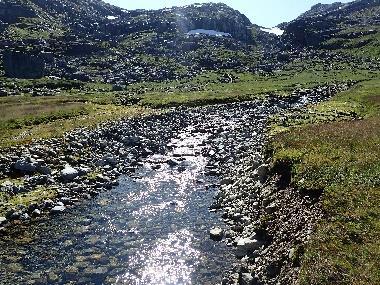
column 151, row 229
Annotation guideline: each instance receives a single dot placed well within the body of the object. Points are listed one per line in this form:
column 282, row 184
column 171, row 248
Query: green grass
column 342, row 159
column 25, row 199
column 35, row 28
column 24, row 118
column 356, row 41
column 210, row 90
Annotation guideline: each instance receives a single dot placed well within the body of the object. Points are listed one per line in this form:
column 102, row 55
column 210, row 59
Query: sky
column 266, row 13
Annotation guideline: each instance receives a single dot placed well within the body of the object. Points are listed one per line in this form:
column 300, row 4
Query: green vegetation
column 34, row 28
column 25, row 199
column 342, row 159
column 208, row 89
column 24, row 118
column 356, row 41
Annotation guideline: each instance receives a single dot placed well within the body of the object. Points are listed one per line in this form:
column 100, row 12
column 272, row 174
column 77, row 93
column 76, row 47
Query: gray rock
column 99, row 271
column 292, row 253
column 14, row 215
column 65, row 201
column 262, row 172
column 246, row 279
column 216, row 233
column 44, row 170
column 110, row 159
column 36, row 213
column 226, row 181
column 271, row 209
column 3, row 220
column 132, row 141
column 25, row 166
column 69, row 173
column 24, row 217
column 53, row 277
column 48, row 203
column 246, row 245
column 172, row 162
column 83, row 170
column 58, row 209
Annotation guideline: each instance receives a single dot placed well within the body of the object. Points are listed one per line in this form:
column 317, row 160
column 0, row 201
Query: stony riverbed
column 133, row 202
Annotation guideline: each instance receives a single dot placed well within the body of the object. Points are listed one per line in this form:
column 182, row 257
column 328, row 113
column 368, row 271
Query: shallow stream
column 151, row 229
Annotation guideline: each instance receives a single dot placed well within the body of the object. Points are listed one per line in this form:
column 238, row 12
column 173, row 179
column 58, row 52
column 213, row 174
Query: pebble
column 3, row 220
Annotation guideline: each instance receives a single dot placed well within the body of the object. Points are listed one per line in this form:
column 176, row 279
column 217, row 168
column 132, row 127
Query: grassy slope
column 247, row 87
column 343, row 159
column 24, row 117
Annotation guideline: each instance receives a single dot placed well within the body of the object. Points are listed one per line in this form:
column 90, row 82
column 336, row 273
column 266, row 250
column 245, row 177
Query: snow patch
column 214, row 33
column 111, row 17
column 274, row 30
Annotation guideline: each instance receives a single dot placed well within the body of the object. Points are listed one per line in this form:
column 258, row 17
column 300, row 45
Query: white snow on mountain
column 208, row 32
column 274, row 30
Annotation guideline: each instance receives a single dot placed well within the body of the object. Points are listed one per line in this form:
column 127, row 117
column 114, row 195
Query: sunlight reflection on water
column 170, row 261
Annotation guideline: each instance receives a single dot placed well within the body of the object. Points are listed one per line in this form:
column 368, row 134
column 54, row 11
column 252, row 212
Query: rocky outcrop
column 18, row 64
column 93, row 40
column 323, row 21
column 218, row 17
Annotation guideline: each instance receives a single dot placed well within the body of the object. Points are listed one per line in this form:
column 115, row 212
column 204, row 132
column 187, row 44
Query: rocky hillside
column 97, row 19
column 350, row 26
column 92, row 40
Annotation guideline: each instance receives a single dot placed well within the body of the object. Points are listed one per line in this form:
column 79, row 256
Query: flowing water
column 151, row 229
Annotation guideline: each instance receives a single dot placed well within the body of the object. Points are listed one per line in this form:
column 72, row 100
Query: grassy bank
column 24, row 118
column 342, row 158
column 38, row 195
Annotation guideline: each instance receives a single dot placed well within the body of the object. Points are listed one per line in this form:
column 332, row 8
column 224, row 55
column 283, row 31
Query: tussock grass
column 25, row 199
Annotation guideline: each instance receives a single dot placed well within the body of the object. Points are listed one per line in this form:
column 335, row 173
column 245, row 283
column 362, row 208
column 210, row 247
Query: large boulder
column 246, row 245
column 25, row 166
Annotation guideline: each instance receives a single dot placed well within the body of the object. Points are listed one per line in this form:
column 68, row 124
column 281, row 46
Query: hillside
column 351, row 28
column 96, row 41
